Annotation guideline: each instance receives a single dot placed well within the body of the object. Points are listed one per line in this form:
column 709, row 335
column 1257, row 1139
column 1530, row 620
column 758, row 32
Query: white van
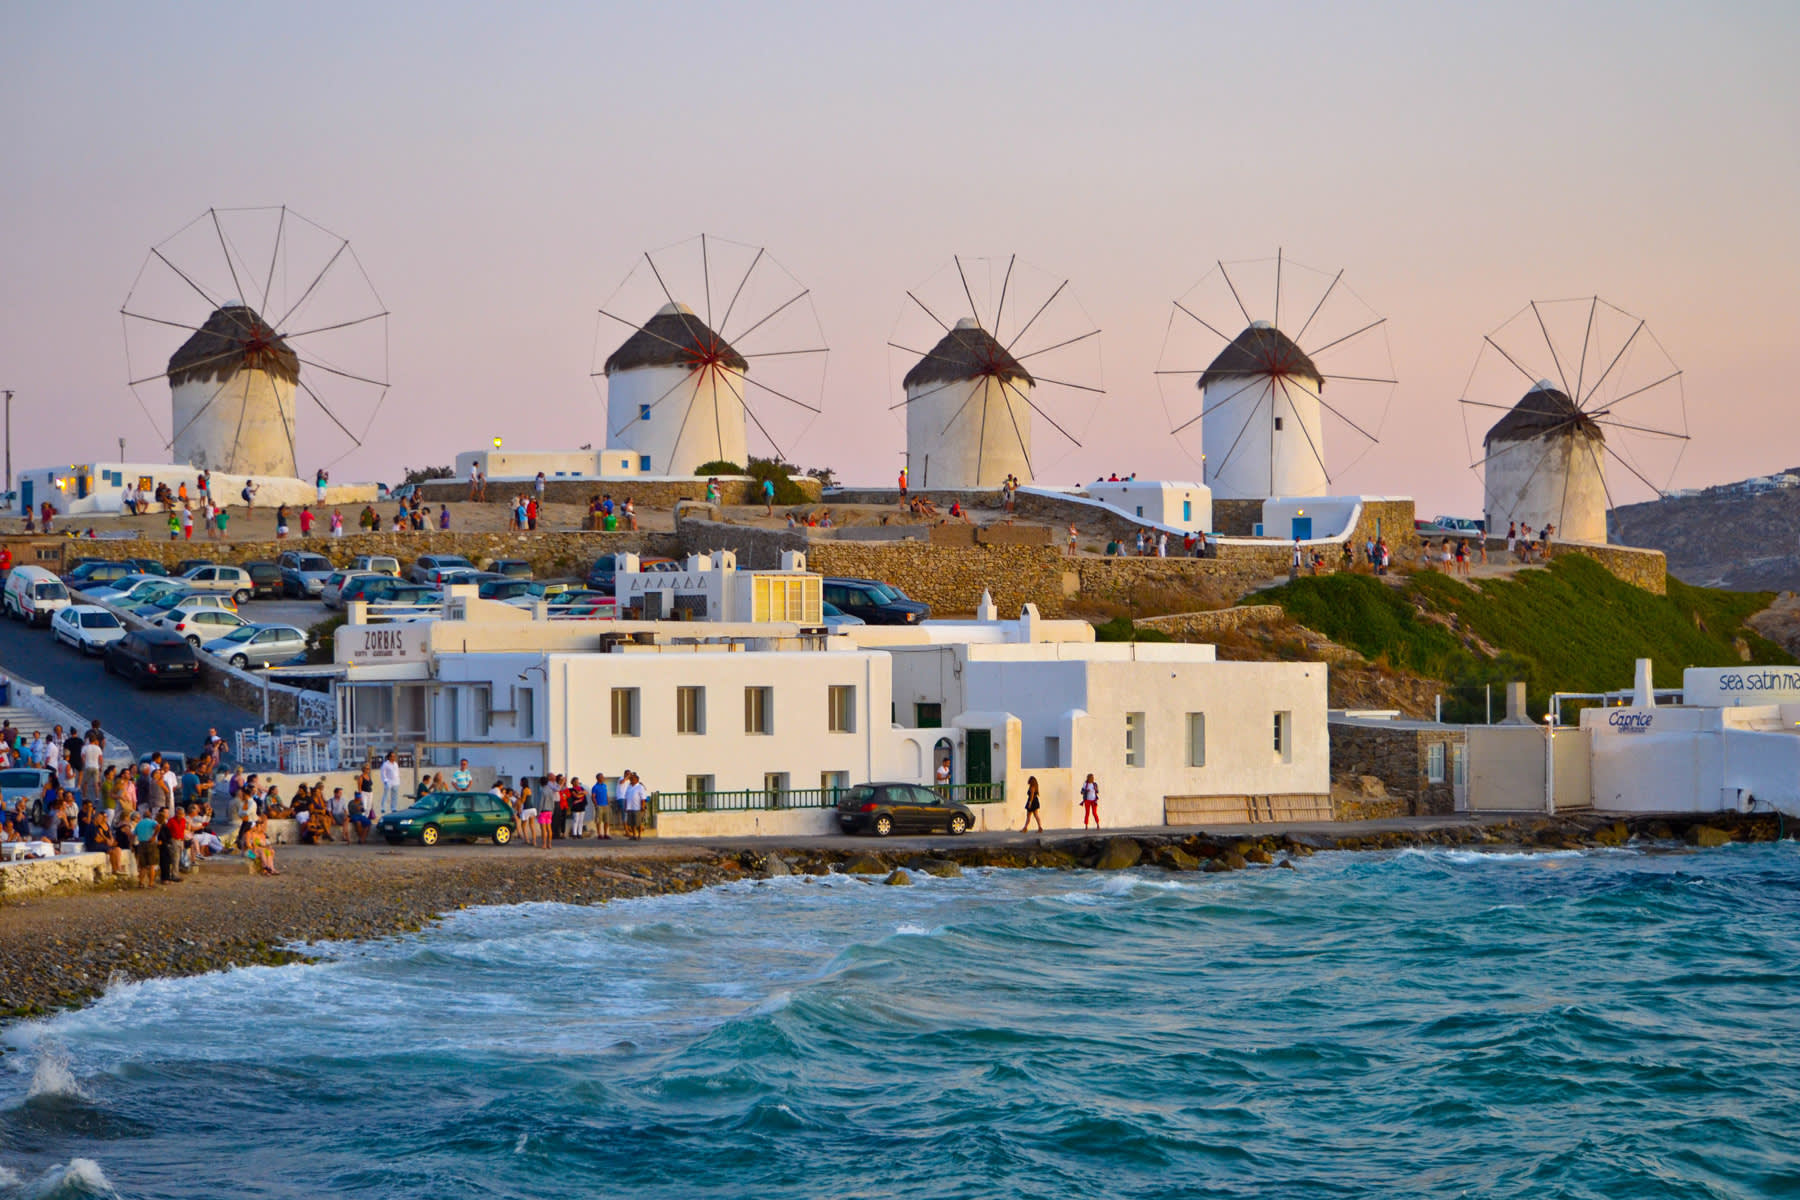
column 33, row 594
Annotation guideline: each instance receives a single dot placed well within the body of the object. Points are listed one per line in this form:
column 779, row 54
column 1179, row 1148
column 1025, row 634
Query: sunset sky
column 499, row 169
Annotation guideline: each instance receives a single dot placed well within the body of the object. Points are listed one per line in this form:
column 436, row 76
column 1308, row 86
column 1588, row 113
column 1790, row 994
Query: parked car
column 593, row 608
column 175, row 760
column 601, row 576
column 25, row 783
column 876, row 603
column 260, row 645
column 155, row 598
column 1462, row 526
column 188, row 564
column 381, row 564
column 147, row 566
column 86, row 627
column 94, row 572
column 200, row 624
column 514, row 568
column 506, row 589
column 231, row 581
column 837, row 618
column 331, row 591
column 445, row 576
column 384, row 589
column 303, row 573
column 265, row 580
column 162, row 606
column 444, row 816
column 153, row 656
column 425, row 569
column 124, row 587
column 33, row 595
column 884, row 808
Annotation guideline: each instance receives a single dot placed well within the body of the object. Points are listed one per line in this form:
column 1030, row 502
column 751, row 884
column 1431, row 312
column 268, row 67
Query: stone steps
column 1244, row 810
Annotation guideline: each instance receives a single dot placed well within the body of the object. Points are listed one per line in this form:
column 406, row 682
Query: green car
column 442, row 816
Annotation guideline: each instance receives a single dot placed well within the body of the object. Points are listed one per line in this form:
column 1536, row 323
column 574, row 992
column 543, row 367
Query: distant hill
column 1744, row 536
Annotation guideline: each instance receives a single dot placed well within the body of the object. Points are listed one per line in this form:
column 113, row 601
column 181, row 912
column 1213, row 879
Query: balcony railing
column 763, row 800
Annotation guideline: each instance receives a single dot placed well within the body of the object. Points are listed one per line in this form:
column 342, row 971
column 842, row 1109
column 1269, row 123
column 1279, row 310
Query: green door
column 978, row 763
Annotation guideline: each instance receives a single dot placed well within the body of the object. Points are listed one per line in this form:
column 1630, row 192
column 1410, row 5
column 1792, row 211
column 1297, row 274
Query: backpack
column 245, row 494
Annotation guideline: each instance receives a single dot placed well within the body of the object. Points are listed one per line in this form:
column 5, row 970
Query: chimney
column 1516, row 713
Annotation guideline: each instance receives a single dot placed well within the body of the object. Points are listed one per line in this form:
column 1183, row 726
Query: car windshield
column 861, row 794
column 312, row 562
column 448, row 561
column 99, row 620
column 50, row 591
column 242, row 633
column 16, row 779
column 163, row 652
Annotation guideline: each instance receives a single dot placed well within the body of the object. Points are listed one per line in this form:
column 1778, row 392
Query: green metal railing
column 761, row 800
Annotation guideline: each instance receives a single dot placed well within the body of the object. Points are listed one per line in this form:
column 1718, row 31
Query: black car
column 512, row 568
column 153, row 656
column 93, row 572
column 265, row 580
column 146, row 566
column 877, row 603
column 884, row 808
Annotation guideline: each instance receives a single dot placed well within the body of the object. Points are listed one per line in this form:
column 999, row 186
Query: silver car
column 231, row 581
column 259, row 645
column 331, row 592
column 27, row 782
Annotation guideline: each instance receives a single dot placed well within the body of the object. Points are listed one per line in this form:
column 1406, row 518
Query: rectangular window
column 525, row 711
column 624, row 712
column 644, row 463
column 699, row 784
column 690, row 710
column 774, row 783
column 1196, row 740
column 1284, row 736
column 1434, row 763
column 1134, row 739
column 928, row 716
column 1277, row 424
column 1187, row 511
column 841, row 706
column 834, row 779
column 757, row 703
column 643, row 412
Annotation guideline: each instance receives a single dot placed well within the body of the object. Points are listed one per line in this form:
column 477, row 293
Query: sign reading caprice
column 1724, row 687
column 1630, row 722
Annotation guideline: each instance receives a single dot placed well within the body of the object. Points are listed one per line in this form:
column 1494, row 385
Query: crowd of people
column 562, row 807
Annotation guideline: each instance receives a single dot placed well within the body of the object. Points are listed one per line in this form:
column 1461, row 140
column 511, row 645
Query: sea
column 1424, row 1023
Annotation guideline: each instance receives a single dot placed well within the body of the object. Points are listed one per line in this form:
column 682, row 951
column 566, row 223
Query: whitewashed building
column 1543, row 464
column 968, row 413
column 1172, row 504
column 743, row 726
column 1261, row 421
column 675, row 395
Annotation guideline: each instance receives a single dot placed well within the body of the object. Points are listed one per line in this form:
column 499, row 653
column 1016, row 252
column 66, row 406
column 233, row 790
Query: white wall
column 244, row 424
column 1556, row 481
column 107, row 497
column 1159, row 502
column 967, row 434
column 1684, row 759
column 1240, row 412
column 694, row 418
column 1332, row 516
column 525, row 464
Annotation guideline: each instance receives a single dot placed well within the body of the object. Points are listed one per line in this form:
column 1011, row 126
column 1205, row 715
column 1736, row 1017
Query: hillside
column 1720, row 538
column 1573, row 627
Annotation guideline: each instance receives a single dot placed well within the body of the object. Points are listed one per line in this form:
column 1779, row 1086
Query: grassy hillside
column 1573, row 627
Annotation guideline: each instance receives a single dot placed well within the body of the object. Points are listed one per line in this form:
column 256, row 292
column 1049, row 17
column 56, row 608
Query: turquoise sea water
column 1426, row 1023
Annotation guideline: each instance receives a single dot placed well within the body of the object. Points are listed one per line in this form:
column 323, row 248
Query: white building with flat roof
column 745, row 726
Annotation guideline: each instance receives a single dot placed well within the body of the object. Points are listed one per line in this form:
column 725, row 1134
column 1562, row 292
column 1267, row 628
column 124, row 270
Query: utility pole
column 8, row 439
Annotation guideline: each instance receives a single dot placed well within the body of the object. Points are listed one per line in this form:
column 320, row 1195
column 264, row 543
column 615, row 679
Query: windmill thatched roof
column 674, row 337
column 1544, row 409
column 1261, row 349
column 966, row 352
column 235, row 338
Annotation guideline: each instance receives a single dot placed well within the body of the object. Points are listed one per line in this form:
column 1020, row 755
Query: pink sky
column 499, row 170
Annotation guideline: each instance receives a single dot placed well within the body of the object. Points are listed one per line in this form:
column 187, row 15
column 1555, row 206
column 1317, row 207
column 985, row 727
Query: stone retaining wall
column 43, row 876
column 1648, row 569
column 1397, row 756
column 644, row 493
column 1236, row 518
column 1199, row 626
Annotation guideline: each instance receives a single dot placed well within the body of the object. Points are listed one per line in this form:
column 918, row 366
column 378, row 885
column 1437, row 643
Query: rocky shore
column 64, row 951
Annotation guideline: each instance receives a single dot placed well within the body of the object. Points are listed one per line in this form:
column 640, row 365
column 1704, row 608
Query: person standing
column 319, row 482
column 1032, row 804
column 1162, row 544
column 538, row 487
column 281, row 521
column 390, row 784
column 635, row 793
column 91, row 756
column 143, row 841
column 902, row 487
column 1294, row 565
column 460, row 779
column 1090, row 802
column 306, row 520
column 578, row 808
column 249, row 495
column 602, row 806
column 768, row 491
column 165, row 848
column 337, row 523
column 1073, row 534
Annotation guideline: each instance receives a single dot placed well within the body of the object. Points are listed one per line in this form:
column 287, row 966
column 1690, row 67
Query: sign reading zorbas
column 375, row 645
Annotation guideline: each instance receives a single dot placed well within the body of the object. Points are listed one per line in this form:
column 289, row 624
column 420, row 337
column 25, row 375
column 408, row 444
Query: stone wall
column 952, row 578
column 46, row 876
column 1648, row 569
column 644, row 493
column 1236, row 518
column 1201, row 626
column 1397, row 756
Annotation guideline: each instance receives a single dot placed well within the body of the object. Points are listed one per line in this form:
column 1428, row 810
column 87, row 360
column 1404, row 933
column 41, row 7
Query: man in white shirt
column 460, row 779
column 91, row 756
column 390, row 784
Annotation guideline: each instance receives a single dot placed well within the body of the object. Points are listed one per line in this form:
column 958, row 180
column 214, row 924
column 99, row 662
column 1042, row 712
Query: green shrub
column 786, row 490
column 1120, row 629
column 718, row 467
column 323, row 637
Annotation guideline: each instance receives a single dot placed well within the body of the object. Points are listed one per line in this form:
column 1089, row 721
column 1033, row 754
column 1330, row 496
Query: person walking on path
column 1032, row 804
column 1073, row 534
column 390, row 784
column 1090, row 802
column 768, row 491
column 902, row 487
column 187, row 523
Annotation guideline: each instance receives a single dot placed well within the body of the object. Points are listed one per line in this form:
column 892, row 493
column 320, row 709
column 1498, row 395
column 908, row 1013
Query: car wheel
column 884, row 825
column 241, row 596
column 958, row 823
column 503, row 835
column 428, row 836
column 193, row 641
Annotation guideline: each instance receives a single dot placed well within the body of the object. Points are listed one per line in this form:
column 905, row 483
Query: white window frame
column 1434, row 762
column 1196, row 739
column 1284, row 736
column 840, row 708
column 1135, row 739
column 759, row 710
column 690, row 710
column 628, row 698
